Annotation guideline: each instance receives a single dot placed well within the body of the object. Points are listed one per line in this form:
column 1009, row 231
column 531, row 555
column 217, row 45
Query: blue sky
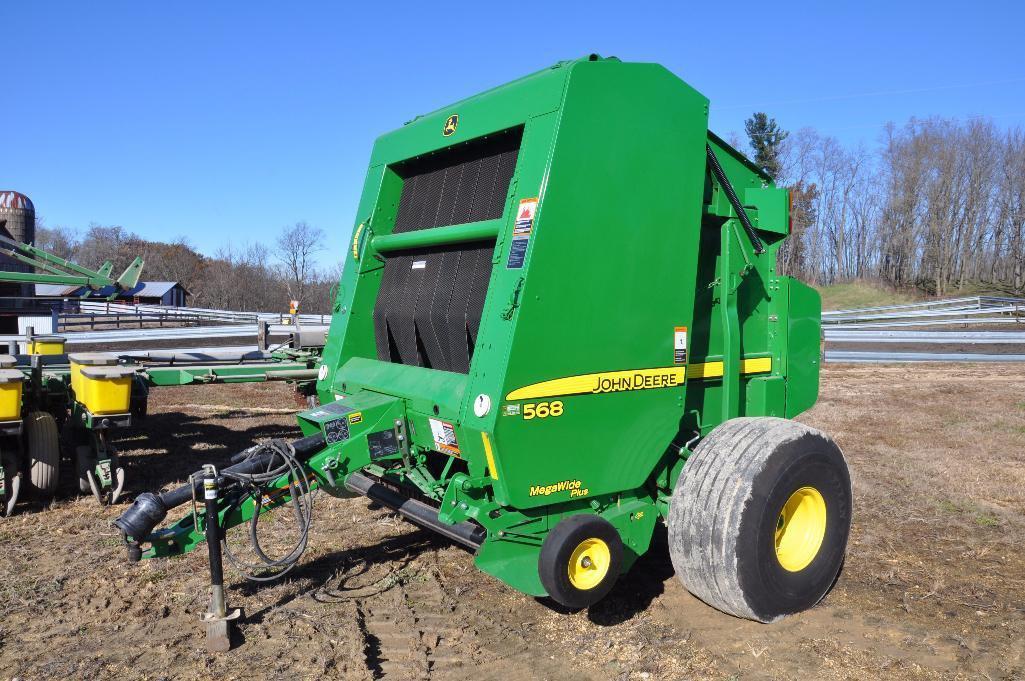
column 225, row 121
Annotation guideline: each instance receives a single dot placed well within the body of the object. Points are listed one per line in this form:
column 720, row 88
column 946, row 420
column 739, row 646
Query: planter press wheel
column 87, row 482
column 83, row 464
column 10, row 469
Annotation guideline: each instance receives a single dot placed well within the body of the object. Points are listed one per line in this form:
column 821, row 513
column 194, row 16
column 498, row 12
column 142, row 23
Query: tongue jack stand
column 217, row 618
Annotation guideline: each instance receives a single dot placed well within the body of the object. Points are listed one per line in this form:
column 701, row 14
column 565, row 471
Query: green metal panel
column 473, row 231
column 621, row 202
column 228, row 373
column 488, row 112
column 63, row 271
column 425, row 390
column 804, row 336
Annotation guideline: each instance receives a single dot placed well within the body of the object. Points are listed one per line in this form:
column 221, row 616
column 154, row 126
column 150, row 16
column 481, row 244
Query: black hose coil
column 281, row 461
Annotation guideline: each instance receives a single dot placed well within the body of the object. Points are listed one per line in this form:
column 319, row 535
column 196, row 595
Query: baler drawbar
column 559, row 323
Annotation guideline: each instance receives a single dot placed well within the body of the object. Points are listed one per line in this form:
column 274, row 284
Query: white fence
column 106, row 308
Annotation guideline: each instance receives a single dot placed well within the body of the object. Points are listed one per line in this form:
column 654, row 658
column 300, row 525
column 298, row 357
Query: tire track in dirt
column 931, row 589
column 417, row 630
column 397, row 610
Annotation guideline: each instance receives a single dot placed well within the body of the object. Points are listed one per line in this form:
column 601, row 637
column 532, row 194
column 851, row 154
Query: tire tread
column 708, row 503
column 43, row 441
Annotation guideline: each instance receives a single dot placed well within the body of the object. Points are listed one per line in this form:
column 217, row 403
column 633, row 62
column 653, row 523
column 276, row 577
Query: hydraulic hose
column 731, row 196
column 149, row 510
column 281, row 461
column 244, row 463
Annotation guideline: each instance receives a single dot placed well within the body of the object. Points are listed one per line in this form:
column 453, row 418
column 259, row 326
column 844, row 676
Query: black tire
column 139, row 405
column 727, row 536
column 587, row 533
column 42, row 438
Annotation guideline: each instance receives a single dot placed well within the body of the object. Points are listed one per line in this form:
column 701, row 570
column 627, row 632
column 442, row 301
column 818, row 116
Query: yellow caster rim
column 589, row 564
column 800, row 529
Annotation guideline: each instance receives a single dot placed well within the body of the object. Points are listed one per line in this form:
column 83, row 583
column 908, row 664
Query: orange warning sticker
column 680, row 345
column 444, row 434
column 522, row 228
column 527, row 209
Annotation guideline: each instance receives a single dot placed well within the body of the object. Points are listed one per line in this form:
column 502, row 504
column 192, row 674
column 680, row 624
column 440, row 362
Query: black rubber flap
column 429, row 307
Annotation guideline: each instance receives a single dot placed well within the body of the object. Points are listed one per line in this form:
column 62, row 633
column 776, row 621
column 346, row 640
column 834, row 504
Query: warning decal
column 382, row 444
column 526, row 211
column 336, row 431
column 680, row 345
column 521, row 233
column 444, row 434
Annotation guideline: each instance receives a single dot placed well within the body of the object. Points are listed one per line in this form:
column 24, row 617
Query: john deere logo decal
column 451, row 123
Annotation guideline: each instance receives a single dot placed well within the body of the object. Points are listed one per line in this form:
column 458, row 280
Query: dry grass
column 931, row 589
column 856, row 294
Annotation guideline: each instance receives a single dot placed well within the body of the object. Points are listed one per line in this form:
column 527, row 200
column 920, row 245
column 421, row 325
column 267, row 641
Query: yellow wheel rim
column 589, row 564
column 800, row 528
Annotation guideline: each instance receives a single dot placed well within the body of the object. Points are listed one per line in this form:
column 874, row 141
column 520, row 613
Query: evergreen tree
column 765, row 137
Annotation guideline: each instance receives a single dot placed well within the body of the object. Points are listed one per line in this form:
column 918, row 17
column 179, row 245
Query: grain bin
column 19, row 217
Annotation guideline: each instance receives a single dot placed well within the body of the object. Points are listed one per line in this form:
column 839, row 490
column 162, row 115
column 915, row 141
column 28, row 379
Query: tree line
column 938, row 205
column 248, row 277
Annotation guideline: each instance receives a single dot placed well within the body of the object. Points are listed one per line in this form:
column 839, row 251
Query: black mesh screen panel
column 458, row 185
column 428, row 310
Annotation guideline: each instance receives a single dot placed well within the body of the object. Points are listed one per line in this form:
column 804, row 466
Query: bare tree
column 60, row 241
column 940, row 217
column 239, row 278
column 938, row 207
column 1009, row 219
column 109, row 242
column 296, row 249
column 178, row 261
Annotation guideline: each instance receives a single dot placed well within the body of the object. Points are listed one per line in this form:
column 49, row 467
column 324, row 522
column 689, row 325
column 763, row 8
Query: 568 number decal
column 542, row 410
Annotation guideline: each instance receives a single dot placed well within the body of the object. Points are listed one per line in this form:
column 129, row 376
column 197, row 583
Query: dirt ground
column 932, row 587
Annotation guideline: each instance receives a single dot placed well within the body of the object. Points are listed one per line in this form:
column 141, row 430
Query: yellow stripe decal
column 757, row 365
column 355, row 240
column 635, row 379
column 490, row 455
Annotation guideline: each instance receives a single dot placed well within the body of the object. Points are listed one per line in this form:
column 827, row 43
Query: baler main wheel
column 580, row 560
column 760, row 516
column 43, row 444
